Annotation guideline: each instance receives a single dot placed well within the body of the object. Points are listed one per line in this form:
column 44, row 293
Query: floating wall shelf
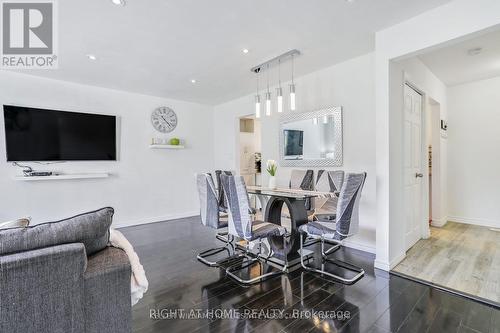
column 63, row 177
column 166, row 147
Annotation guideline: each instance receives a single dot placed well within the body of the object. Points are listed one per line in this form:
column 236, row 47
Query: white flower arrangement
column 272, row 167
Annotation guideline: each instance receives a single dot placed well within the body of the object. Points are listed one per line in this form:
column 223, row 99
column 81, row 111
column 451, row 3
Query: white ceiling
column 156, row 47
column 453, row 65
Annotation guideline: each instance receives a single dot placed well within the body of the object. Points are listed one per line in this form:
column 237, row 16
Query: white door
column 413, row 173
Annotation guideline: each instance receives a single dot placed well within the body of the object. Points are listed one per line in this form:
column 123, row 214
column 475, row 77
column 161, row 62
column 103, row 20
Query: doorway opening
column 458, row 245
column 250, row 156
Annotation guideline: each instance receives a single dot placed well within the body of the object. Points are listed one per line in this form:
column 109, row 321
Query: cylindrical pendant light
column 257, row 106
column 268, row 95
column 268, row 104
column 315, row 121
column 279, row 91
column 292, row 90
column 325, row 120
column 257, row 99
column 279, row 101
column 292, row 97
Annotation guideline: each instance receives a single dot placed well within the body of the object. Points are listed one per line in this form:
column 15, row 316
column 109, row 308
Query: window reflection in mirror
column 312, row 138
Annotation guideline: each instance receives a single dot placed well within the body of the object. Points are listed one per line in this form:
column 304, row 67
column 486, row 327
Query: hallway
column 458, row 256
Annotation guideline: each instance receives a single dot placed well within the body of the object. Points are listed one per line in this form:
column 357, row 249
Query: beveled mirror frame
column 336, row 113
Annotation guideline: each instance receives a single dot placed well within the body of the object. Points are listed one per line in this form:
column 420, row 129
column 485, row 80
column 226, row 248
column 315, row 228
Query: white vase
column 272, row 182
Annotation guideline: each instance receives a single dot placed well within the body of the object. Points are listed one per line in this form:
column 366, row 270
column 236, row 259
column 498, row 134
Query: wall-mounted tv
column 33, row 134
column 294, row 144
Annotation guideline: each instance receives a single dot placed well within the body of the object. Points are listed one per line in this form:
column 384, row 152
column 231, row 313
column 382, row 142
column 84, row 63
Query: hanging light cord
column 258, row 82
column 279, row 72
column 267, row 78
column 293, row 67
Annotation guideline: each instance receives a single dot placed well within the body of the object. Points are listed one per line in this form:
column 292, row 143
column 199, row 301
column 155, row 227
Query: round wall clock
column 164, row 119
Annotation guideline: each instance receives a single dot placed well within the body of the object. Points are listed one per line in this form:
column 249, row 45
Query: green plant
column 272, row 167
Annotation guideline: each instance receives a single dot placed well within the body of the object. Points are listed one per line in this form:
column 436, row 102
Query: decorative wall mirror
column 312, row 139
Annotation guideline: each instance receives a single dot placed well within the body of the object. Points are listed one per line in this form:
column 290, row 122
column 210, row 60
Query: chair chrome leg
column 360, row 272
column 245, row 264
column 223, row 236
column 202, row 256
column 334, row 248
column 232, row 269
column 210, row 252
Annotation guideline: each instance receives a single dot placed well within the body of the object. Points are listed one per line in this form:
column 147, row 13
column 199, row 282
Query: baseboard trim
column 439, row 223
column 382, row 265
column 474, row 221
column 387, row 266
column 147, row 220
column 359, row 246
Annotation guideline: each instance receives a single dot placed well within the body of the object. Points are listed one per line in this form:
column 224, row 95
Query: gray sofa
column 62, row 277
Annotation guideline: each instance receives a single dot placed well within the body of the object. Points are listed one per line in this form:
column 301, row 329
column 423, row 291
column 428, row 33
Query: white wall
column 146, row 185
column 445, row 24
column 350, row 85
column 474, row 153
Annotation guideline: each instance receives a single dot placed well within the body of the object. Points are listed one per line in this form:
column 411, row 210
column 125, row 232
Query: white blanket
column 138, row 282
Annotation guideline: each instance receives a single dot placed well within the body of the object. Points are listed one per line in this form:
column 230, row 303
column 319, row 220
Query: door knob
column 419, row 175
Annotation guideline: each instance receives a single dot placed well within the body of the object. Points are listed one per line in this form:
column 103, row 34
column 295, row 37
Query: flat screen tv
column 294, row 143
column 33, row 134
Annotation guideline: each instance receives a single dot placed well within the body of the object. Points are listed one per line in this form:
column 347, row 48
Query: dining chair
column 221, row 198
column 241, row 224
column 346, row 224
column 326, row 207
column 220, row 190
column 301, row 180
column 211, row 217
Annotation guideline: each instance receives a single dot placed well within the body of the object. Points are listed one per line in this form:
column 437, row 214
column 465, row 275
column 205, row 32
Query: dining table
column 286, row 249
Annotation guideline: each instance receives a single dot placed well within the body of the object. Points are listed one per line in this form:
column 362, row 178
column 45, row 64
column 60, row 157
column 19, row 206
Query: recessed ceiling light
column 193, row 81
column 349, row 0
column 474, row 51
column 118, row 2
column 245, row 51
column 91, row 57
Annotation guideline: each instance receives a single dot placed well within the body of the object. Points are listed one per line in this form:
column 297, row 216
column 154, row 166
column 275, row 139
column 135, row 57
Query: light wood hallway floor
column 458, row 256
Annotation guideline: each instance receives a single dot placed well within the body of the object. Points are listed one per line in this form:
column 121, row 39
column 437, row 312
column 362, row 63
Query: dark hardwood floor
column 377, row 303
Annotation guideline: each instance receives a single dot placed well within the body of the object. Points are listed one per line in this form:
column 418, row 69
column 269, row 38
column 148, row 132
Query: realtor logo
column 28, row 34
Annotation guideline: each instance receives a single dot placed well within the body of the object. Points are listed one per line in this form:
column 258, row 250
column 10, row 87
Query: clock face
column 164, row 119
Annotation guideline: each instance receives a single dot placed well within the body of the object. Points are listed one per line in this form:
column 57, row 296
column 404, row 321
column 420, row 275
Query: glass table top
column 285, row 192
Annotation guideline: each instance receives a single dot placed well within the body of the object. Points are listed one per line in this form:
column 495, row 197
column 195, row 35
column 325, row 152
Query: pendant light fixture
column 257, row 100
column 279, row 91
column 268, row 95
column 292, row 89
